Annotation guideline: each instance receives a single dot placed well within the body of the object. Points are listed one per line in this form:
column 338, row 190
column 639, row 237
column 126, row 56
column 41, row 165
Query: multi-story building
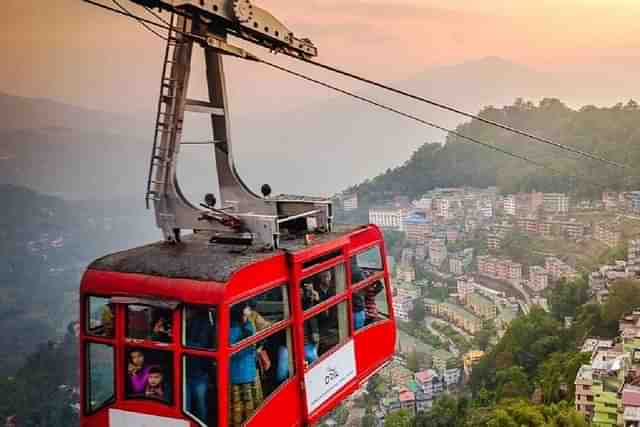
column 634, row 197
column 417, row 229
column 420, row 252
column 452, row 376
column 465, row 286
column 557, row 203
column 610, row 235
column 441, row 359
column 437, row 252
column 509, row 205
column 633, row 255
column 481, row 306
column 389, row 218
column 573, row 230
column 454, row 314
column 453, row 234
column 493, row 242
column 456, row 266
column 350, row 202
column 557, row 269
column 430, row 384
column 631, row 406
column 538, row 278
column 423, row 203
column 402, row 305
column 585, row 403
column 610, row 200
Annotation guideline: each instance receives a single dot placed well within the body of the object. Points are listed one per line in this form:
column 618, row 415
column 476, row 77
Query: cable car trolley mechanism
column 268, row 313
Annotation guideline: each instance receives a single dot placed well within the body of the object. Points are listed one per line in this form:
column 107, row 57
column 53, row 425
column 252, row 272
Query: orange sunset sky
column 70, row 51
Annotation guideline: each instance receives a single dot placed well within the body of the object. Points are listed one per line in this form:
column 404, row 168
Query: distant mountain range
column 45, row 245
column 319, row 149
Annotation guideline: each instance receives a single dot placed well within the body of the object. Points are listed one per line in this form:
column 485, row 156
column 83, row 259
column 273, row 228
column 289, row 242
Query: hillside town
column 458, row 286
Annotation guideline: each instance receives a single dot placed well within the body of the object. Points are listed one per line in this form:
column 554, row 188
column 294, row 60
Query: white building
column 510, row 205
column 538, row 278
column 452, row 376
column 389, row 218
column 556, row 203
column 402, row 306
column 350, row 202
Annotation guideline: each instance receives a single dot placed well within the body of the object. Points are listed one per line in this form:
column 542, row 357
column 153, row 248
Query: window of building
column 149, row 374
column 322, row 286
column 256, row 314
column 324, row 331
column 100, row 376
column 149, row 323
column 199, row 327
column 369, row 305
column 200, row 392
column 100, row 317
column 256, row 372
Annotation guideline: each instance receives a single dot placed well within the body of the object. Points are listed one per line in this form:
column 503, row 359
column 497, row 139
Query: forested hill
column 609, row 132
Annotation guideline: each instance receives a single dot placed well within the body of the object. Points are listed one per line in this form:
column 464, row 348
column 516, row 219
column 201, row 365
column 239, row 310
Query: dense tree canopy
column 610, row 132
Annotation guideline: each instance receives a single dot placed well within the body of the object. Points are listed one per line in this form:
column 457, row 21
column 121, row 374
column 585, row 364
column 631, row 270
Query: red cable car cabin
column 199, row 334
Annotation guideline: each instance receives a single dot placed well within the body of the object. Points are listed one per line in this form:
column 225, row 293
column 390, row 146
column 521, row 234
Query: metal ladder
column 166, row 111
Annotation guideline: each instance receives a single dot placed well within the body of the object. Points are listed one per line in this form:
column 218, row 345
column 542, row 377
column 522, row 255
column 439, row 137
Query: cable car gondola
column 268, row 314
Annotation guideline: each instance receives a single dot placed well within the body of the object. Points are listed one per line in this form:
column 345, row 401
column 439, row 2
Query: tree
column 369, row 420
column 418, row 312
column 412, row 361
column 401, row 418
column 624, row 296
column 512, row 382
column 567, row 297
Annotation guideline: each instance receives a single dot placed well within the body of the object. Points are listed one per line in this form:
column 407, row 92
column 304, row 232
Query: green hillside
column 610, row 132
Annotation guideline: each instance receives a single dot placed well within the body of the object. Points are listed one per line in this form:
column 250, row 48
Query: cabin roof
column 196, row 259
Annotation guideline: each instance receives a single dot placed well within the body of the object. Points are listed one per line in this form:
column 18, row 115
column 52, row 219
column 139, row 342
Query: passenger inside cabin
column 137, row 372
column 311, row 327
column 370, row 306
column 161, row 328
column 156, row 388
column 358, row 309
column 245, row 395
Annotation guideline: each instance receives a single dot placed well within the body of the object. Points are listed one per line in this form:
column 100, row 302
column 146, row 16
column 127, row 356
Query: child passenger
column 155, row 387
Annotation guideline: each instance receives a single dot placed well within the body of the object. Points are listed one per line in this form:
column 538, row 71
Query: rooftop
column 195, row 258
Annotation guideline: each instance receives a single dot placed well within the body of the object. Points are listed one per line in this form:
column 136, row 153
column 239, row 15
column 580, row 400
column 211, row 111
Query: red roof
column 631, row 396
column 423, row 376
column 407, row 396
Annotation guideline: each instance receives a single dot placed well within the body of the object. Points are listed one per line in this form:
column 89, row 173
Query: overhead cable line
column 427, row 123
column 367, row 100
column 160, row 18
column 466, row 114
column 139, row 19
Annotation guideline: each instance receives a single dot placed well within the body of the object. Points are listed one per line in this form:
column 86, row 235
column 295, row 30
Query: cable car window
column 149, row 374
column 256, row 371
column 100, row 376
column 199, row 327
column 369, row 305
column 100, row 317
column 322, row 286
column 324, row 331
column 148, row 323
column 365, row 264
column 261, row 311
column 201, row 389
